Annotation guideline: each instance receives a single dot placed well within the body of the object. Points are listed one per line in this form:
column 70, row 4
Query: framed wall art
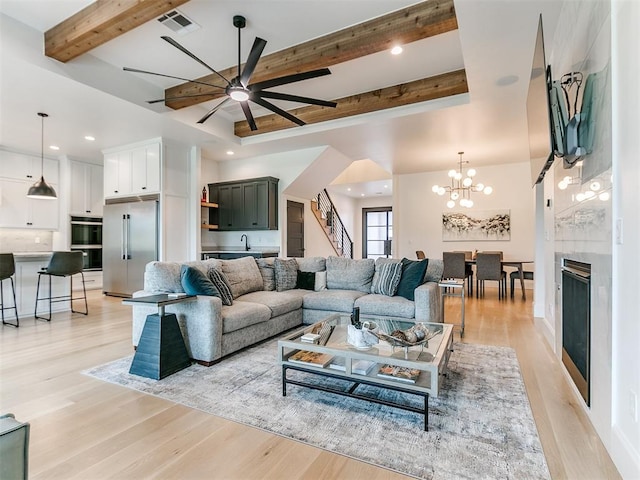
column 476, row 226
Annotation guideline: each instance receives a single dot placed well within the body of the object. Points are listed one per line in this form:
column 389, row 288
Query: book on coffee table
column 314, row 359
column 404, row 374
column 361, row 367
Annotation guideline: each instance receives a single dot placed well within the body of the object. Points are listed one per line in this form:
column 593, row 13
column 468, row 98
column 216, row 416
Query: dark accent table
column 161, row 350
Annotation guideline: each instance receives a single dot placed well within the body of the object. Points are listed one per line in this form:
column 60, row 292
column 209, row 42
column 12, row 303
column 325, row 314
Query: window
column 377, row 232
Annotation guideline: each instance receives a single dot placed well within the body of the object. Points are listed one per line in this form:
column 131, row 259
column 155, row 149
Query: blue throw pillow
column 412, row 275
column 194, row 282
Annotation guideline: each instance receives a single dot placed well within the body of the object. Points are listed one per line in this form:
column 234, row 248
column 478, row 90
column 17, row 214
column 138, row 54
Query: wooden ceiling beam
column 100, row 22
column 444, row 85
column 407, row 25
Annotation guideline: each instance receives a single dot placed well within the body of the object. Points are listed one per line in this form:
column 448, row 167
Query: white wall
column 418, row 212
column 625, row 431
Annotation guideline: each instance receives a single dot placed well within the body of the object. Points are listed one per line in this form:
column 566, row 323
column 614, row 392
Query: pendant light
column 42, row 189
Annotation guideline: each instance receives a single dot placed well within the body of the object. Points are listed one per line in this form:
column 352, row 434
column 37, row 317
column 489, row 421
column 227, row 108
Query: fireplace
column 576, row 323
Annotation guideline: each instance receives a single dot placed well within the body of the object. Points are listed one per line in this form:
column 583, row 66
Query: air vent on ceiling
column 178, row 22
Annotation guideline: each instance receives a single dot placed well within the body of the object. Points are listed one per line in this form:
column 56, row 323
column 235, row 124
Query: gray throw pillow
column 222, row 284
column 387, row 278
column 286, row 272
column 350, row 274
column 435, row 269
column 311, row 264
column 243, row 275
column 265, row 265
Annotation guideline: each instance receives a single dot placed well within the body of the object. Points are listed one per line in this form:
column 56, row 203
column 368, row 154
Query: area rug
column 480, row 426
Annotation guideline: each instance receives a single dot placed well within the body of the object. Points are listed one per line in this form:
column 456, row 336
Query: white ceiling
column 92, row 95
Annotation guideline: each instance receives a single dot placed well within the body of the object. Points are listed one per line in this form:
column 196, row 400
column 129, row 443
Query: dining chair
column 420, row 255
column 63, row 264
column 456, row 267
column 489, row 267
column 7, row 269
column 515, row 276
column 496, row 252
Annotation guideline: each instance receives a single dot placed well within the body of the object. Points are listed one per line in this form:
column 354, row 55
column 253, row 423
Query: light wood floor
column 87, row 429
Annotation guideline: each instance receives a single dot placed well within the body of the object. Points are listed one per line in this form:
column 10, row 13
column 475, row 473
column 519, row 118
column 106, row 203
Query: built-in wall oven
column 86, row 236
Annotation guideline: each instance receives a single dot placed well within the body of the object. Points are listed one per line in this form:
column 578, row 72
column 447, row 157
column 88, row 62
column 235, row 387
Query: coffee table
column 430, row 359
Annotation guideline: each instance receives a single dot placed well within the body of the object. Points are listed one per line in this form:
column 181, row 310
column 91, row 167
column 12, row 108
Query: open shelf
column 208, row 226
column 209, row 204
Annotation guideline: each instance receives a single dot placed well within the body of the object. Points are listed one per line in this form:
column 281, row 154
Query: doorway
column 295, row 229
column 377, row 232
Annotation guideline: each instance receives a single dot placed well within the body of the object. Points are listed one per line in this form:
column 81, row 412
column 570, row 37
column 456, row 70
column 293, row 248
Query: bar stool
column 7, row 269
column 62, row 264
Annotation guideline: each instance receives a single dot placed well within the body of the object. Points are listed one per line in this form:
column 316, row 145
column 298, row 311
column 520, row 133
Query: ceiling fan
column 239, row 88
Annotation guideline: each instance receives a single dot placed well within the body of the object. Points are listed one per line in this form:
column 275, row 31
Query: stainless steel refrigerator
column 130, row 241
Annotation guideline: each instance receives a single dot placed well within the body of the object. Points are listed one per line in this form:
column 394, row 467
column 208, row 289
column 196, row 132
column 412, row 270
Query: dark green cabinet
column 245, row 205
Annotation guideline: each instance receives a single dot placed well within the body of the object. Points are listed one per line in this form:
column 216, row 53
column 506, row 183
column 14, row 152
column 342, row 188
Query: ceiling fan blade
column 294, row 98
column 247, row 113
column 252, row 60
column 187, row 52
column 278, row 110
column 296, row 77
column 179, row 98
column 135, row 70
column 213, row 110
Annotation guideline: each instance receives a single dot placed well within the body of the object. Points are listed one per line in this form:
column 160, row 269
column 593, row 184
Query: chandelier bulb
column 471, row 172
column 469, row 203
column 441, row 191
column 458, row 176
column 435, row 189
column 479, row 187
column 487, row 190
column 562, row 185
column 467, row 182
column 452, row 173
column 451, row 204
column 455, row 195
column 595, row 186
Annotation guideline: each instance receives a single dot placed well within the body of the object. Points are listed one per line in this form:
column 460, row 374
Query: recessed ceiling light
column 230, row 152
column 89, row 138
column 54, row 147
column 386, row 186
column 348, row 189
column 362, row 194
column 397, row 50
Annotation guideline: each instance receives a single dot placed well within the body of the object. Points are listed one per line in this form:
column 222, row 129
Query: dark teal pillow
column 412, row 275
column 194, row 282
column 306, row 280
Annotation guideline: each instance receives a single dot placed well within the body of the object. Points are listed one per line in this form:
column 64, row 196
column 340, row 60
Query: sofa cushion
column 383, row 305
column 243, row 314
column 162, row 277
column 332, row 300
column 222, row 284
column 412, row 277
column 435, row 269
column 265, row 265
column 349, row 274
column 243, row 275
column 312, row 264
column 306, row 280
column 194, row 282
column 386, row 278
column 286, row 270
column 278, row 302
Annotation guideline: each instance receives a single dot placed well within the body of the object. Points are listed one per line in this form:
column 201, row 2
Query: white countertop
column 240, row 250
column 31, row 255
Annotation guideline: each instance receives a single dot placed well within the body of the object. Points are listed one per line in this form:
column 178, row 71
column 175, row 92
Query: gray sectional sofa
column 265, row 304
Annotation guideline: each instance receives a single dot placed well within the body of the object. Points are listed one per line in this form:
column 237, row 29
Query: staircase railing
column 341, row 237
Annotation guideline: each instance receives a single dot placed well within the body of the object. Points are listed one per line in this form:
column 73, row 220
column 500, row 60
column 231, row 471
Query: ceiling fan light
column 239, row 95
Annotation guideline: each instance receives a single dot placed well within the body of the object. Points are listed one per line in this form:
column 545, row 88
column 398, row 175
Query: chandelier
column 460, row 189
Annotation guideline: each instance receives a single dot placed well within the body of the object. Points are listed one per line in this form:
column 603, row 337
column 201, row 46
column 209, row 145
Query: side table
column 161, row 350
column 453, row 285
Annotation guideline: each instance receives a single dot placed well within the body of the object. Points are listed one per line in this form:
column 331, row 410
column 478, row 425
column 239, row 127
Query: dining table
column 510, row 263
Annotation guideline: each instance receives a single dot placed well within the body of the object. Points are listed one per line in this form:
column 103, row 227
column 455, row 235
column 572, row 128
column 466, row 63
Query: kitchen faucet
column 246, row 242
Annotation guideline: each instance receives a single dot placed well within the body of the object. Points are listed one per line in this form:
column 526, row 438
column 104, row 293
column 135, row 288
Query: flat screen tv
column 541, row 137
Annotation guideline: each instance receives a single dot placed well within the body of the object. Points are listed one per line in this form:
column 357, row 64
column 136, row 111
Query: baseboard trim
column 625, row 458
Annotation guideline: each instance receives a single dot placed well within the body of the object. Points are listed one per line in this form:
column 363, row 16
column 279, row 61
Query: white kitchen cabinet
column 19, row 211
column 145, row 169
column 87, row 189
column 19, row 166
column 134, row 171
column 117, row 174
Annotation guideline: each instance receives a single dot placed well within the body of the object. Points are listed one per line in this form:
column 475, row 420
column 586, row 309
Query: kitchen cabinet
column 28, row 168
column 234, row 255
column 19, row 211
column 134, row 171
column 87, row 191
column 250, row 204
